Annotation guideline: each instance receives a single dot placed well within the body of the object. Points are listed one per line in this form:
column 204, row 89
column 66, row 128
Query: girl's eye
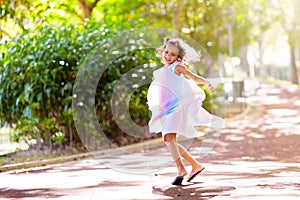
column 172, row 54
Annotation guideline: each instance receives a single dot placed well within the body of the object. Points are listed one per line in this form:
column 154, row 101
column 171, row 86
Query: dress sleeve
column 174, row 64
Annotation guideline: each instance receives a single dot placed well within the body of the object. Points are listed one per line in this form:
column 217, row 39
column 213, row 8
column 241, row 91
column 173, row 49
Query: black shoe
column 178, row 180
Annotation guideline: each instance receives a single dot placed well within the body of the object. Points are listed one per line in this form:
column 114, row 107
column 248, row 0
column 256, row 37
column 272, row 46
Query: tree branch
column 87, row 9
column 93, row 5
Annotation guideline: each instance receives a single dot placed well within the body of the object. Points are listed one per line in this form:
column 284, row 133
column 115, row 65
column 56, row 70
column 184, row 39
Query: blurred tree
column 13, row 16
column 119, row 14
column 202, row 20
column 290, row 11
column 20, row 15
column 262, row 15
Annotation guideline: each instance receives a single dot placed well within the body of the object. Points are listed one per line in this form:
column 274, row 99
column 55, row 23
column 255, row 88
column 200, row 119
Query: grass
column 11, row 160
column 6, row 160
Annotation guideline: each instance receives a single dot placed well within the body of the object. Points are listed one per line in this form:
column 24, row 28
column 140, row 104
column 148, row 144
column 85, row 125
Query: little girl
column 175, row 101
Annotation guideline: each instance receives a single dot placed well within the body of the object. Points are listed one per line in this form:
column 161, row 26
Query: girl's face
column 170, row 54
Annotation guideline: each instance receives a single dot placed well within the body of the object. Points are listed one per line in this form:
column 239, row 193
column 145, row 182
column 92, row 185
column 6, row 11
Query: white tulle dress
column 175, row 103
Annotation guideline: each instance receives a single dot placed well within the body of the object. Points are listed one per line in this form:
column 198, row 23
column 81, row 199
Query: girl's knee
column 170, row 137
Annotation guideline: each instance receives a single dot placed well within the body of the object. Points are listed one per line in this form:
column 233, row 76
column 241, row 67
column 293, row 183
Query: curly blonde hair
column 175, row 42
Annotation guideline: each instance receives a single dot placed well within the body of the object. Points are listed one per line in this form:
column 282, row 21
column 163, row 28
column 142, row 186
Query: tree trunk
column 262, row 68
column 294, row 70
column 221, row 60
column 86, row 8
column 176, row 23
column 244, row 61
column 71, row 136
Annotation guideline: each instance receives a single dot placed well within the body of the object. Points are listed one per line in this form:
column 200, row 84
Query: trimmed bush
column 37, row 75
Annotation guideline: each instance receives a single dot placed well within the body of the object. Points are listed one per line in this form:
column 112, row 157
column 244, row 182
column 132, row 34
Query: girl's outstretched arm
column 181, row 69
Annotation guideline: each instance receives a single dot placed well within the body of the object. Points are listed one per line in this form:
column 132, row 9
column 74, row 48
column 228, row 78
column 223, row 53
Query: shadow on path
column 29, row 193
column 192, row 191
column 45, row 193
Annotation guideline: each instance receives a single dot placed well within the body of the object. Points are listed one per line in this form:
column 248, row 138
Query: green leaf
column 40, row 96
column 27, row 90
column 27, row 112
column 48, row 92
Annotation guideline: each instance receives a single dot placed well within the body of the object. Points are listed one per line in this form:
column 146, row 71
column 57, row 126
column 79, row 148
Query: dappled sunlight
column 292, row 120
column 288, row 174
column 249, row 167
column 253, row 126
column 259, row 135
column 271, row 100
column 274, row 91
column 256, row 175
column 255, row 154
column 234, row 131
column 292, row 89
column 255, row 135
column 297, row 103
column 283, row 112
column 236, row 138
column 276, row 126
column 237, row 179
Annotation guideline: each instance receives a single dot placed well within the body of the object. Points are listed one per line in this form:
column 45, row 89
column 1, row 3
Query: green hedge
column 37, row 75
column 38, row 72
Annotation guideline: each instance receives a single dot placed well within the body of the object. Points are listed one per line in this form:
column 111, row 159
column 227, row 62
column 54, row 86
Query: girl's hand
column 211, row 87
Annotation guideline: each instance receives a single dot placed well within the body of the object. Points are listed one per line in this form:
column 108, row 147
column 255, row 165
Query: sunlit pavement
column 256, row 157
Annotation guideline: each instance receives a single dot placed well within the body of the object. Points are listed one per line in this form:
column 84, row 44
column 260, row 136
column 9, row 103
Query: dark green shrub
column 37, row 75
column 38, row 72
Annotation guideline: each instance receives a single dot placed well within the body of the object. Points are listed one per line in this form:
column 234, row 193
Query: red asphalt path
column 256, row 157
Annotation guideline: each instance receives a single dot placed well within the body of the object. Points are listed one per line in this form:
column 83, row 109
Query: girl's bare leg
column 170, row 141
column 196, row 166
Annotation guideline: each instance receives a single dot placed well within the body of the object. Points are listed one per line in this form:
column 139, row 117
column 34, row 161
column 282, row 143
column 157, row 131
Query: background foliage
column 38, row 74
column 44, row 42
